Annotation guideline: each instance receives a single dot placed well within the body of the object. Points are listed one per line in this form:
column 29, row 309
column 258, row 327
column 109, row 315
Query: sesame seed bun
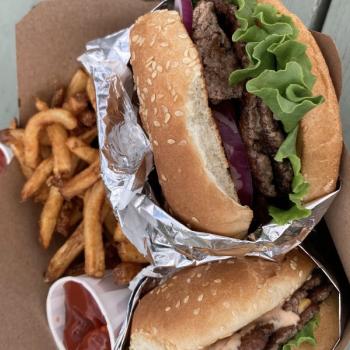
column 201, row 305
column 188, row 153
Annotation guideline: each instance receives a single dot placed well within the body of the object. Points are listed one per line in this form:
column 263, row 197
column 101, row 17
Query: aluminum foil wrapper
column 126, row 162
column 143, row 284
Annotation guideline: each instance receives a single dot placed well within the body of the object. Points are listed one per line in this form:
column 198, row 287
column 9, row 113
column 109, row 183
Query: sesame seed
column 153, row 41
column 155, row 110
column 182, row 36
column 170, row 20
column 217, row 280
column 185, row 301
column 194, row 219
column 159, row 68
column 163, row 178
column 167, row 65
column 134, row 38
column 149, row 59
column 164, row 44
column 175, row 98
column 196, row 311
column 199, row 275
column 145, row 90
column 186, row 60
column 205, row 284
column 156, row 142
column 293, row 265
column 188, row 280
column 154, row 74
column 171, row 141
column 166, row 119
column 186, row 52
column 226, row 305
column 153, row 97
column 301, row 273
column 165, row 109
column 178, row 304
column 168, row 308
column 182, row 143
column 213, row 292
column 230, row 261
column 207, row 267
column 158, row 291
column 179, row 113
column 174, row 277
column 192, row 64
column 149, row 81
column 192, row 53
column 200, row 297
column 160, row 96
column 153, row 65
column 156, row 123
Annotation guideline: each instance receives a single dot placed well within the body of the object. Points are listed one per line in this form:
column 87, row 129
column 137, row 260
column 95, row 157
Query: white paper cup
column 111, row 299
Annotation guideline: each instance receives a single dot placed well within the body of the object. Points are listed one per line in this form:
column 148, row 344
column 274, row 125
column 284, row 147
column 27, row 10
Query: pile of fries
column 56, row 154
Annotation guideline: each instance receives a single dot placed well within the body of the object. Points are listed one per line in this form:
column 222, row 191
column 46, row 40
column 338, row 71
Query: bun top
column 198, row 306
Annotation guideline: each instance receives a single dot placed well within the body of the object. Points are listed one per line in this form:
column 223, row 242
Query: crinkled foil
column 126, row 162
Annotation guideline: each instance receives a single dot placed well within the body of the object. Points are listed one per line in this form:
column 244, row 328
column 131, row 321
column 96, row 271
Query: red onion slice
column 235, row 152
column 184, row 7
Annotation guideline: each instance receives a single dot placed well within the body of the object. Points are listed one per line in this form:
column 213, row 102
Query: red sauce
column 85, row 327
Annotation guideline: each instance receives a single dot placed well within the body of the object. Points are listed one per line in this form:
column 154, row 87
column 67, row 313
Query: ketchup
column 85, row 327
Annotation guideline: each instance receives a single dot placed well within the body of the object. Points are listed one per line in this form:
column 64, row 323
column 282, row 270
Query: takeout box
column 49, row 39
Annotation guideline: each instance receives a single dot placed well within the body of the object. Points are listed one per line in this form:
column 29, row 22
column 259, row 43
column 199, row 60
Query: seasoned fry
column 77, row 103
column 18, row 151
column 89, row 136
column 41, row 105
column 82, row 150
column 87, row 118
column 125, row 272
column 49, row 216
column 70, row 215
column 110, row 222
column 128, row 253
column 58, row 98
column 42, row 195
column 39, row 177
column 90, row 90
column 61, row 155
column 94, row 252
column 118, row 235
column 81, row 182
column 73, row 246
column 77, row 84
column 31, row 134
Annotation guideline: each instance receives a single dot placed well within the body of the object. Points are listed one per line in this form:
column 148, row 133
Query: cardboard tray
column 49, row 39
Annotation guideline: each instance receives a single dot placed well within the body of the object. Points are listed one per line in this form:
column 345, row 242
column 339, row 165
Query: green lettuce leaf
column 280, row 74
column 299, row 185
column 306, row 335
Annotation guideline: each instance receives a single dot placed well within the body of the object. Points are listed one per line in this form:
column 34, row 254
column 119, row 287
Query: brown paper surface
column 49, row 39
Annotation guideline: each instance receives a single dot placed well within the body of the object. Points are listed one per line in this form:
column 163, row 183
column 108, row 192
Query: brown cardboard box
column 49, row 39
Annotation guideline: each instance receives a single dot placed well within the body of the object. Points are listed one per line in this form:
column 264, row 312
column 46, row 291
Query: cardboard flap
column 52, row 35
column 331, row 55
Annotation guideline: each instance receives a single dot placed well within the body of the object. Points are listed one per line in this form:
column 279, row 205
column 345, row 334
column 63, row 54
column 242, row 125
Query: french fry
column 94, row 252
column 61, row 155
column 125, row 272
column 128, row 253
column 18, row 151
column 82, row 150
column 31, row 134
column 82, row 181
column 118, row 234
column 87, row 118
column 58, row 98
column 70, row 215
column 89, row 136
column 49, row 216
column 41, row 105
column 90, row 90
column 77, row 84
column 110, row 222
column 39, row 177
column 77, row 103
column 73, row 246
column 42, row 195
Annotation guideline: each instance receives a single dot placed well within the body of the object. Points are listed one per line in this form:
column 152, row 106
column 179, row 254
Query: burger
column 239, row 106
column 240, row 304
